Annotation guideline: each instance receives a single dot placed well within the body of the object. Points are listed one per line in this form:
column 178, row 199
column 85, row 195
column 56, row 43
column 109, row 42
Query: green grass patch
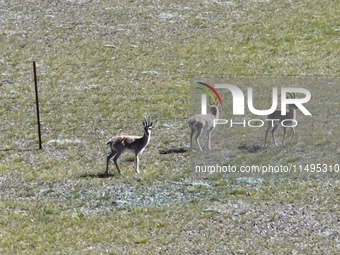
column 101, row 68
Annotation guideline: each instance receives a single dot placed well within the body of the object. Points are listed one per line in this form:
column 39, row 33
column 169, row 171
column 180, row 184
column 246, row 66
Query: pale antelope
column 275, row 121
column 129, row 143
column 200, row 122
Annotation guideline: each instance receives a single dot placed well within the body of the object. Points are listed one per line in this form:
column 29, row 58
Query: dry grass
column 102, row 65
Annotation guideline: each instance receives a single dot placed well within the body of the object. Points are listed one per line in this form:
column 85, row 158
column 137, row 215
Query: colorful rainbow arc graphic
column 209, row 93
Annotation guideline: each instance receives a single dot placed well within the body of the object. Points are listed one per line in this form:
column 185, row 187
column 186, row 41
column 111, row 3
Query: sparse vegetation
column 102, row 65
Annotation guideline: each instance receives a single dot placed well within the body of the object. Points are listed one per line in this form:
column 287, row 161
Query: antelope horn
column 214, row 100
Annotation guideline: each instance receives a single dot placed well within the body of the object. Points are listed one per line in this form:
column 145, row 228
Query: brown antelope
column 129, row 143
column 275, row 121
column 203, row 121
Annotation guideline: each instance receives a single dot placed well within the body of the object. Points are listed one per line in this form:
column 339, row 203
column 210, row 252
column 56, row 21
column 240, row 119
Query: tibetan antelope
column 203, row 121
column 276, row 121
column 129, row 143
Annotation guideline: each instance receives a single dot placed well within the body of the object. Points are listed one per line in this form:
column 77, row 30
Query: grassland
column 102, row 65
